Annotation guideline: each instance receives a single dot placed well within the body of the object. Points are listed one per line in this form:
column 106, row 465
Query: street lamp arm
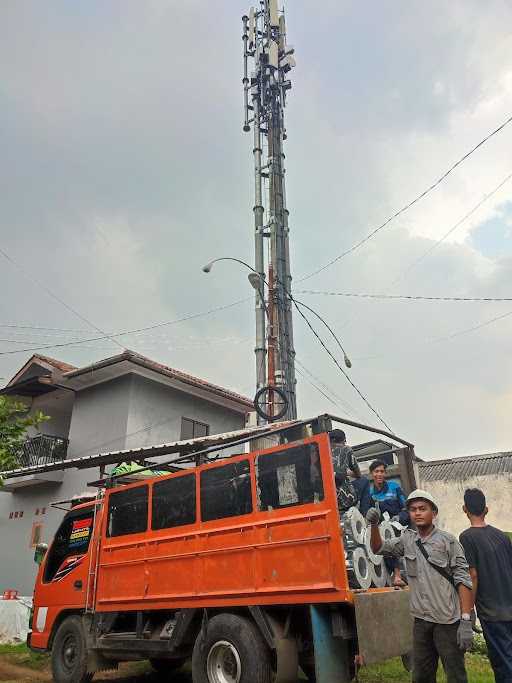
column 207, row 268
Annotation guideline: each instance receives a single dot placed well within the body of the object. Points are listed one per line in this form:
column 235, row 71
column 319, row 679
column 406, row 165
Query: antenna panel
column 274, row 14
column 273, row 54
column 252, row 26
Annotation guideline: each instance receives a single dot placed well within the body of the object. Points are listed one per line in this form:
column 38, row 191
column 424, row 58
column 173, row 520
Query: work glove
column 373, row 517
column 465, row 635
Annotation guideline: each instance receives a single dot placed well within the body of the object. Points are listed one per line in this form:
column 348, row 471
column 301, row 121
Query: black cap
column 337, row 435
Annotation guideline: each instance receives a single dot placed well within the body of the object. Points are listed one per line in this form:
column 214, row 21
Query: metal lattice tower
column 264, row 40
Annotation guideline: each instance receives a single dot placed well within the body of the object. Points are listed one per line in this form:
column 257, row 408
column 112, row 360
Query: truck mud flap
column 384, row 624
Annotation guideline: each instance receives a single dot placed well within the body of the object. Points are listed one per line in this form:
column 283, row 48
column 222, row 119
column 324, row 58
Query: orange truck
column 236, row 562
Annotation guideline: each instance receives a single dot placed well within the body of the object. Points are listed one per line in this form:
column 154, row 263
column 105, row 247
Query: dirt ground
column 127, row 673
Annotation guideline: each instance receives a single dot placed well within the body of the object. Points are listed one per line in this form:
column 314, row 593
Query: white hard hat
column 420, row 494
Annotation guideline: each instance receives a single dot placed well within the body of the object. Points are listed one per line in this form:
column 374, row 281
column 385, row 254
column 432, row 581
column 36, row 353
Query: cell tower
column 264, row 42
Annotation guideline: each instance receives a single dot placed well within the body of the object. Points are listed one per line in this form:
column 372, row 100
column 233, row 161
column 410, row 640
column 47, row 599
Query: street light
column 256, row 280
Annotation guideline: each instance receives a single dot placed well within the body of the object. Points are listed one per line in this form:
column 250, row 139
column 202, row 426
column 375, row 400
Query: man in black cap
column 344, row 461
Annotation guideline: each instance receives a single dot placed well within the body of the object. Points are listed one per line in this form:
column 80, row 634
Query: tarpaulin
column 14, row 617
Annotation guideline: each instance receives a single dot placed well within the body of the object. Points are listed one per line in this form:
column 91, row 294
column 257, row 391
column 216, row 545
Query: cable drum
column 374, row 559
column 361, row 569
column 387, row 531
column 355, row 525
column 379, row 575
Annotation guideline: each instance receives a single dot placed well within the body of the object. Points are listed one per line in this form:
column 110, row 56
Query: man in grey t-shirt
column 440, row 586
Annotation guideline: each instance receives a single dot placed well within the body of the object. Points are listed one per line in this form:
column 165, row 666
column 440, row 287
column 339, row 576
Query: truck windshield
column 71, row 540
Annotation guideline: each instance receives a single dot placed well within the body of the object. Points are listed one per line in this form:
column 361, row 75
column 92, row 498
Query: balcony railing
column 43, row 449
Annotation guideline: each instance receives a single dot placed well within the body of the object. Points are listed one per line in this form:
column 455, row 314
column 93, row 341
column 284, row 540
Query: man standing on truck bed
column 343, row 461
column 489, row 553
column 440, row 585
column 388, row 497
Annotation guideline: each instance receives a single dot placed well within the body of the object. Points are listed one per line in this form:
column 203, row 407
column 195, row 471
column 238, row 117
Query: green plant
column 14, row 422
column 22, row 656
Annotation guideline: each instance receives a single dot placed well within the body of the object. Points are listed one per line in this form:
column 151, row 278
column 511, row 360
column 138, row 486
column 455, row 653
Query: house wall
column 450, row 495
column 58, row 405
column 152, row 403
column 108, row 417
column 98, row 422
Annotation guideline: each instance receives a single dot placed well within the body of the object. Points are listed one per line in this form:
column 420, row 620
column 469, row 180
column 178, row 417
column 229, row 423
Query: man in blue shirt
column 388, row 497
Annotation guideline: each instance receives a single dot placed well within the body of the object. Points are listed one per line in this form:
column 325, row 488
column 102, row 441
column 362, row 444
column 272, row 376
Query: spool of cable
column 387, row 531
column 355, row 525
column 374, row 559
column 379, row 575
column 361, row 569
column 399, row 528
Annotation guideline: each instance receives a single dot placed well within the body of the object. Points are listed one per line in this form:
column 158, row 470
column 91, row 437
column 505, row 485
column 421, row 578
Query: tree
column 14, row 422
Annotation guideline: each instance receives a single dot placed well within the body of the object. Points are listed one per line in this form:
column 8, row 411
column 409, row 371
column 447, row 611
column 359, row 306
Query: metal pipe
column 259, row 264
column 245, row 79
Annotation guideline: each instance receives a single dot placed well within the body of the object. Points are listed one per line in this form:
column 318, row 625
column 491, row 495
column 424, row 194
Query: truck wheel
column 69, row 653
column 163, row 666
column 232, row 651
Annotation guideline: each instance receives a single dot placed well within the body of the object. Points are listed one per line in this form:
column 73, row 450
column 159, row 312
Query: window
column 174, row 502
column 226, row 491
column 193, row 429
column 128, row 511
column 289, row 477
column 71, row 542
column 36, row 534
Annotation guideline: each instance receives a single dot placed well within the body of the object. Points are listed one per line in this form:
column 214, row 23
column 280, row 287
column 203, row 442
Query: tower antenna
column 265, row 89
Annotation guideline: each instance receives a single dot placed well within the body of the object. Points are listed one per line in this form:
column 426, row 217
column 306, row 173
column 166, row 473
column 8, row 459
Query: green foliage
column 22, row 656
column 478, row 668
column 14, row 422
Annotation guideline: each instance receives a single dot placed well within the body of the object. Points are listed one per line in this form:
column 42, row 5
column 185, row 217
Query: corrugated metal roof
column 466, row 467
column 147, row 452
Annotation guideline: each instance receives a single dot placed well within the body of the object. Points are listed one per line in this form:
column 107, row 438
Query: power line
column 335, row 360
column 334, row 398
column 448, row 337
column 451, row 230
column 405, row 297
column 407, row 206
column 192, row 316
column 467, row 330
column 57, row 298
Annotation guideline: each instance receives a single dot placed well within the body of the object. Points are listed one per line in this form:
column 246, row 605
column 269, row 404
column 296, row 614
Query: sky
column 124, row 169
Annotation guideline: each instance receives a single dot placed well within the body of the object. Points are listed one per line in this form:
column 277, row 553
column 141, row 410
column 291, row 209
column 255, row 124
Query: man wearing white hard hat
column 440, row 585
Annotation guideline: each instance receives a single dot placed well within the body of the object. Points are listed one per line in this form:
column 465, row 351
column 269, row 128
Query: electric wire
column 340, row 368
column 407, row 297
column 451, row 230
column 334, row 398
column 192, row 316
column 474, row 328
column 409, row 205
column 55, row 297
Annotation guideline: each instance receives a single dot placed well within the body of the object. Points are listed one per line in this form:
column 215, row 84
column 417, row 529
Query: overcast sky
column 124, row 169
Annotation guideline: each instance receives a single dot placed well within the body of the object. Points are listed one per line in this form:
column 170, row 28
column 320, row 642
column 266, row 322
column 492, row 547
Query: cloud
column 124, row 169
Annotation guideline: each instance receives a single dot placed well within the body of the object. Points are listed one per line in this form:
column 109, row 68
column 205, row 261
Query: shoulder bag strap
column 438, row 569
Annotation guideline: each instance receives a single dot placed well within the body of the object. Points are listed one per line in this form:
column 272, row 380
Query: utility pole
column 264, row 41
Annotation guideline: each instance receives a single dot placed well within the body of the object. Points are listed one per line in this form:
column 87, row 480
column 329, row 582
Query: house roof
column 466, row 467
column 182, row 377
column 37, row 376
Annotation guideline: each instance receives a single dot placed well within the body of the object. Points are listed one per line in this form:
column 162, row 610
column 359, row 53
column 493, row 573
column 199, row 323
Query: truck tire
column 163, row 666
column 69, row 653
column 231, row 651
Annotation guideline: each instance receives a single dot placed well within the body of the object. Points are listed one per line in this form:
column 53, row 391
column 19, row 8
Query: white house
column 122, row 402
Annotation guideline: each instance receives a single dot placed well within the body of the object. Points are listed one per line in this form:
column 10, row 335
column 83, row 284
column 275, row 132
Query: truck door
column 62, row 580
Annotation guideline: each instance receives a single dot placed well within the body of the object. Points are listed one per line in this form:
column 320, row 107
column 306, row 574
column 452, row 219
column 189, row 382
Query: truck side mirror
column 40, row 552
